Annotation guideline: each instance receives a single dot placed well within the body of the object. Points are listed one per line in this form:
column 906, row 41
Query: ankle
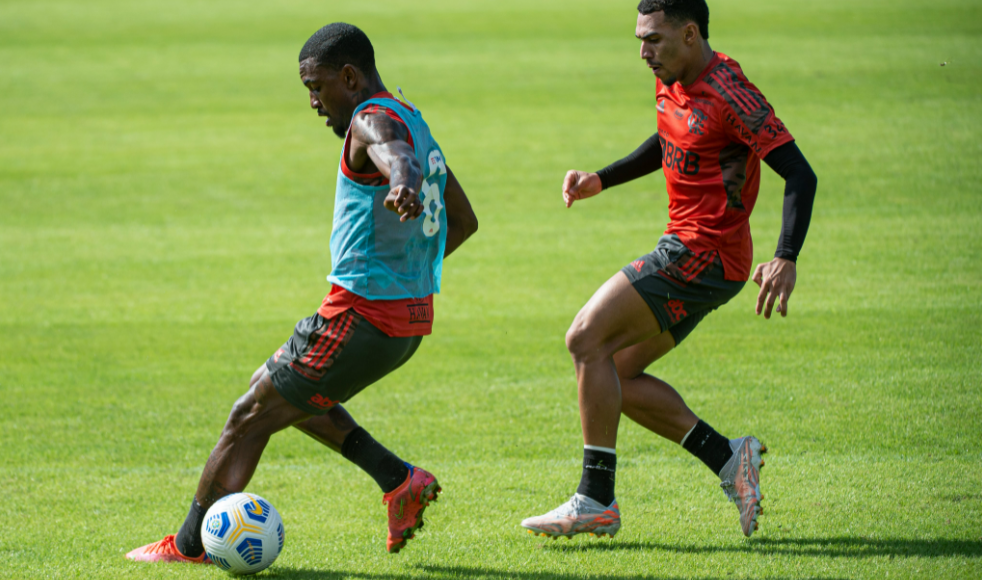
column 599, row 470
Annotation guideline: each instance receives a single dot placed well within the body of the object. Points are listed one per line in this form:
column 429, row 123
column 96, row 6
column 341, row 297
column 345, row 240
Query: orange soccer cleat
column 406, row 505
column 741, row 480
column 164, row 551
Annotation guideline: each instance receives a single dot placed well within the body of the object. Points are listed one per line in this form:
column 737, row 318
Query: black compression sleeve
column 799, row 197
column 645, row 159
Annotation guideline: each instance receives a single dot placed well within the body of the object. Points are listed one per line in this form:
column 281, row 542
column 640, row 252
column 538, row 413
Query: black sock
column 709, row 446
column 188, row 538
column 386, row 469
column 597, row 481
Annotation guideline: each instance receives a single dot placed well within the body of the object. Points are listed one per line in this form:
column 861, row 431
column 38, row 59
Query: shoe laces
column 158, row 546
column 571, row 507
column 729, row 488
column 576, row 505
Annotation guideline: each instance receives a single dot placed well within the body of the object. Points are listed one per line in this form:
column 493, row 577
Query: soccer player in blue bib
column 398, row 212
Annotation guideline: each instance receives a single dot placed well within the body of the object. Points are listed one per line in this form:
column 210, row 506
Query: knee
column 582, row 343
column 242, row 420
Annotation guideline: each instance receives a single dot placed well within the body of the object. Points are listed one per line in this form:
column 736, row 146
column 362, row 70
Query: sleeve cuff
column 603, row 179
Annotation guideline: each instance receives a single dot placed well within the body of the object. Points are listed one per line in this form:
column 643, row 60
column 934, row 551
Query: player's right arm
column 646, row 159
column 380, row 142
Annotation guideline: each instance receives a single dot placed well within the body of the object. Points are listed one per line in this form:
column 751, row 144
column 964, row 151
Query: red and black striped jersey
column 713, row 134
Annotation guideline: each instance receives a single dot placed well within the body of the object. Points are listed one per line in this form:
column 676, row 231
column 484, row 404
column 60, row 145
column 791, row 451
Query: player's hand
column 776, row 280
column 404, row 201
column 580, row 185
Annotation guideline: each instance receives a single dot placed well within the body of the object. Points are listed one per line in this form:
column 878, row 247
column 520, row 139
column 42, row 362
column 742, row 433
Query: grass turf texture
column 166, row 201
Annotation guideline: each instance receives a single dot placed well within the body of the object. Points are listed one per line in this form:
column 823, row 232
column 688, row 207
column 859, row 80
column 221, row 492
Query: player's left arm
column 461, row 221
column 384, row 140
column 752, row 121
column 777, row 277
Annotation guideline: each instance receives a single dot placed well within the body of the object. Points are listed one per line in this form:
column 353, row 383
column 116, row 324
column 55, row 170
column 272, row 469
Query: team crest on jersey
column 697, row 122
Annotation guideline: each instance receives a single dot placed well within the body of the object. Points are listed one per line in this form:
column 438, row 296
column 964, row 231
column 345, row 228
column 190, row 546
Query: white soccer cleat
column 580, row 515
column 741, row 480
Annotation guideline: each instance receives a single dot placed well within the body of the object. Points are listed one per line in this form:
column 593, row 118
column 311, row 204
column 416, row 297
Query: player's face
column 328, row 95
column 663, row 46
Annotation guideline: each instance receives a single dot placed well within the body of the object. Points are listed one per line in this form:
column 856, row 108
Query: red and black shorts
column 681, row 287
column 328, row 361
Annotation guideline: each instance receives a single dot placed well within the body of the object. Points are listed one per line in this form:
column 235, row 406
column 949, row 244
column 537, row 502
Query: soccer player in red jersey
column 714, row 127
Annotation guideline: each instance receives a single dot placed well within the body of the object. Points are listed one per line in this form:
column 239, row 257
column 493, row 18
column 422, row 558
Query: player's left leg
column 655, row 405
column 648, row 400
column 406, row 489
column 329, row 361
column 337, row 430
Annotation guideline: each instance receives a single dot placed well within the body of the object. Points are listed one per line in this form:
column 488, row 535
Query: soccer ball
column 242, row 533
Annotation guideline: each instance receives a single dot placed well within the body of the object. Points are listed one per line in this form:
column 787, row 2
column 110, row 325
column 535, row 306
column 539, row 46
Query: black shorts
column 680, row 287
column 328, row 361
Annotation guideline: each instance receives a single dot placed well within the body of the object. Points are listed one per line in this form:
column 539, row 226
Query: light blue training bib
column 373, row 254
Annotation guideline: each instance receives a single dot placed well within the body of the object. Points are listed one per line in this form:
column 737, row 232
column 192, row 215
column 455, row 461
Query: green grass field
column 165, row 206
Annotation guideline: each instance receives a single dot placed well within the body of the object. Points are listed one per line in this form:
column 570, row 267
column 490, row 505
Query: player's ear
column 349, row 76
column 691, row 33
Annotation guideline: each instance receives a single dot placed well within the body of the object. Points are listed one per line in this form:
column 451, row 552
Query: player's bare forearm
column 397, row 162
column 383, row 141
column 461, row 221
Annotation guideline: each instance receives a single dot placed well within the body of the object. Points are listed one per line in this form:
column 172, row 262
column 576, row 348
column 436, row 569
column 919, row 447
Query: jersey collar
column 388, row 95
column 712, row 64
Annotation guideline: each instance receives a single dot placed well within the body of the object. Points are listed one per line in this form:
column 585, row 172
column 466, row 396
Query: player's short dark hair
column 680, row 12
column 338, row 44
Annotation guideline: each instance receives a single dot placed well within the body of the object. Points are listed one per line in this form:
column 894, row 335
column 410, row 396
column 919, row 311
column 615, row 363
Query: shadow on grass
column 467, row 573
column 843, row 547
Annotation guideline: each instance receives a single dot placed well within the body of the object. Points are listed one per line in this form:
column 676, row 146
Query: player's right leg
column 258, row 414
column 614, row 318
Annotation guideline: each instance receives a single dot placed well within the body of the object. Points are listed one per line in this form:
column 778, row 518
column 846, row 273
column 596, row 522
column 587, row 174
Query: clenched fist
column 404, row 201
column 580, row 185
